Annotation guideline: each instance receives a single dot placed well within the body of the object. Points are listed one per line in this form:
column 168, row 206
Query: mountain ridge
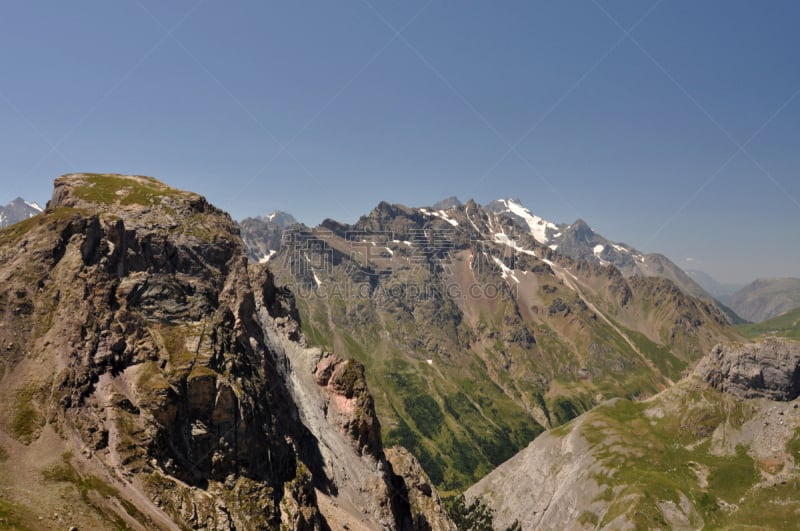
column 765, row 298
column 452, row 310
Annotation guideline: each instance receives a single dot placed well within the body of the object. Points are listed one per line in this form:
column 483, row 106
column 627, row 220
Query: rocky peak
column 16, row 211
column 447, row 203
column 769, row 369
column 150, row 353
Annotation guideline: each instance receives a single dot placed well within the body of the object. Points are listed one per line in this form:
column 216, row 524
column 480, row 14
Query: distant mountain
column 16, row 211
column 711, row 452
column 766, row 298
column 280, row 218
column 478, row 336
column 579, row 241
column 450, row 202
column 262, row 235
column 721, row 291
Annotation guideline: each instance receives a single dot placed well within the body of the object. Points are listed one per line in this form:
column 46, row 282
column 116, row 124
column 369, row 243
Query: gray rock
column 769, row 369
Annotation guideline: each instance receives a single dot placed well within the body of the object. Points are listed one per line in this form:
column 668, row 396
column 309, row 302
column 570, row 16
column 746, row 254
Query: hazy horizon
column 670, row 126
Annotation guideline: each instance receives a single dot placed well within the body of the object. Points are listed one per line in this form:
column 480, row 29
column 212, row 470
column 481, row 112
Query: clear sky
column 673, row 126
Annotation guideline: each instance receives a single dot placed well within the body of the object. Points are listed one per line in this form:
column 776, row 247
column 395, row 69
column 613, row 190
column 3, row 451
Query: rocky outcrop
column 142, row 346
column 350, row 406
column 423, row 497
column 769, row 369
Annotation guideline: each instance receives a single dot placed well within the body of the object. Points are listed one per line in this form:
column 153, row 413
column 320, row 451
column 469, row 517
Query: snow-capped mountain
column 579, row 241
column 18, row 210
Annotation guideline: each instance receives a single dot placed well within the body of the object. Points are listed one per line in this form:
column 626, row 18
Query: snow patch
column 620, row 248
column 538, row 226
column 442, row 214
column 598, row 249
column 266, row 257
column 502, row 238
column 506, row 272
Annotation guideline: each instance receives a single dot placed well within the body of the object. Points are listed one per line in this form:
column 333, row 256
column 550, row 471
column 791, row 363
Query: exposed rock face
column 263, row 235
column 422, row 495
column 545, row 486
column 769, row 369
column 138, row 342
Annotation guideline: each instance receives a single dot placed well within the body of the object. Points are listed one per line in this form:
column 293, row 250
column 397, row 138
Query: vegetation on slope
column 465, row 382
column 784, row 325
column 669, row 450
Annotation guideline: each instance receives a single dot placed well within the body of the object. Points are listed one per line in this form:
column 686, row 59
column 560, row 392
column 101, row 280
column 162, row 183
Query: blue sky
column 673, row 126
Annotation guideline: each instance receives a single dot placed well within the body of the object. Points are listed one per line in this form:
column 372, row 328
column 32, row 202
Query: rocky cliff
column 151, row 378
column 769, row 369
column 697, row 455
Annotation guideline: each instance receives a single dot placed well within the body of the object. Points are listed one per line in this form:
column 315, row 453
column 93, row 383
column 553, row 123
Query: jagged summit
column 578, row 240
column 447, row 203
column 280, row 218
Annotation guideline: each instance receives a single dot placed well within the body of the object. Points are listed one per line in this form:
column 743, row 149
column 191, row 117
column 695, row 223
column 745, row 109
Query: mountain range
column 480, row 334
column 163, row 367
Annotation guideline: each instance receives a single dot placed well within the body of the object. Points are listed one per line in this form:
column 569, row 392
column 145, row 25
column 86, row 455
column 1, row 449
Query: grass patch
column 26, row 417
column 733, row 476
column 656, row 459
column 12, row 516
column 14, row 233
column 150, row 377
column 784, row 325
column 64, row 472
column 199, row 371
column 111, row 189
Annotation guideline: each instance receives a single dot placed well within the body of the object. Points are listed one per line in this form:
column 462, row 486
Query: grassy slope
column 473, row 405
column 652, row 452
column 784, row 325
